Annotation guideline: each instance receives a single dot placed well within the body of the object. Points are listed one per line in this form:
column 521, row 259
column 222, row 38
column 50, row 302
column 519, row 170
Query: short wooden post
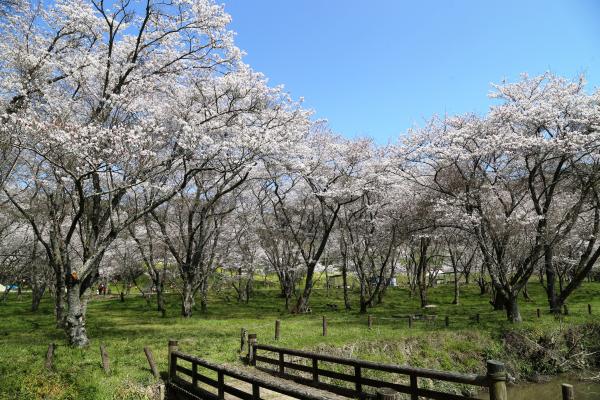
column 496, row 375
column 447, row 321
column 252, row 340
column 277, row 329
column 172, row 360
column 590, row 309
column 538, row 313
column 151, row 362
column 243, row 339
column 567, row 392
column 194, row 374
column 358, row 380
column 104, row 355
column 370, row 321
column 221, row 385
column 386, row 394
column 410, row 321
column 255, row 391
column 50, row 356
column 315, row 370
column 281, row 363
column 324, row 326
column 122, row 297
column 566, row 309
column 477, row 318
column 414, row 387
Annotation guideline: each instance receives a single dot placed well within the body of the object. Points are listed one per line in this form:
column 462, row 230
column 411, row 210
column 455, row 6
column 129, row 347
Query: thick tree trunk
column 59, row 301
column 37, row 293
column 302, row 303
column 512, row 309
column 187, row 300
column 551, row 280
column 498, row 301
column 75, row 318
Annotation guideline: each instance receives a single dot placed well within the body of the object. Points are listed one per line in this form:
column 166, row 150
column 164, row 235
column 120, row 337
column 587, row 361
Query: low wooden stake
column 567, row 392
column 447, row 321
column 370, row 321
column 122, row 297
column 277, row 329
column 477, row 318
column 324, row 326
column 104, row 355
column 50, row 356
column 151, row 362
column 386, row 394
column 243, row 339
column 590, row 309
column 538, row 313
column 410, row 321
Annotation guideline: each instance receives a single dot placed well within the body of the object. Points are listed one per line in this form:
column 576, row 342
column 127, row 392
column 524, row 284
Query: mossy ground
column 125, row 328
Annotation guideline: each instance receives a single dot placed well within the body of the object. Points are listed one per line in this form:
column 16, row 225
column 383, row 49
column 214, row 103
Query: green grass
column 125, row 328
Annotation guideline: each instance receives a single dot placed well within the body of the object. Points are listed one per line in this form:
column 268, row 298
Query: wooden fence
column 494, row 380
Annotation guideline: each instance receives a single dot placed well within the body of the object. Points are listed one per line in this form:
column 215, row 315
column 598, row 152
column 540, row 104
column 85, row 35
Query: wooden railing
column 190, row 388
column 494, row 380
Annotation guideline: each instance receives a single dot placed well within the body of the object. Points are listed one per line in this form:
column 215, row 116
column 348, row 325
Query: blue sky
column 375, row 68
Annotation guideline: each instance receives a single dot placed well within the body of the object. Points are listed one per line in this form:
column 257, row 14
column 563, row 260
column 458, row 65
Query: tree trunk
column 302, row 303
column 37, row 293
column 59, row 301
column 75, row 318
column 347, row 305
column 551, row 280
column 187, row 300
column 456, row 287
column 498, row 301
column 512, row 309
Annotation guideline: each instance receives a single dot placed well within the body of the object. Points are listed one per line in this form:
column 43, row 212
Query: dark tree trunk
column 347, row 305
column 512, row 309
column 187, row 300
column 37, row 293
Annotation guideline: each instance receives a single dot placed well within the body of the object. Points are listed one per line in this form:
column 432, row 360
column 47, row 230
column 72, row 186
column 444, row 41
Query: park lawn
column 125, row 328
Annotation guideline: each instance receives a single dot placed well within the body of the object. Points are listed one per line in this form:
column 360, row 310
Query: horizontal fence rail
column 495, row 380
column 191, row 390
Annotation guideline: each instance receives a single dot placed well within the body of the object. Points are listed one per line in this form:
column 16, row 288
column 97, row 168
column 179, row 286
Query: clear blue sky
column 378, row 67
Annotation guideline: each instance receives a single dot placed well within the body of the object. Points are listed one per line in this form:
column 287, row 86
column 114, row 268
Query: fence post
column 447, row 321
column 252, row 340
column 172, row 360
column 255, row 391
column 315, row 370
column 496, row 375
column 358, row 380
column 324, row 326
column 150, row 359
column 281, row 363
column 50, row 356
column 410, row 321
column 567, row 392
column 590, row 309
column 104, row 355
column 477, row 318
column 386, row 394
column 221, row 384
column 414, row 387
column 370, row 321
column 277, row 328
column 538, row 312
column 243, row 339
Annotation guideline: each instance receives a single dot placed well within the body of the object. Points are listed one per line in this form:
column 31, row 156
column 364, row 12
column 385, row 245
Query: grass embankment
column 125, row 328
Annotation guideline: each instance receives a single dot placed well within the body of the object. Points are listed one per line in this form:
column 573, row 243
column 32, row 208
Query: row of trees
column 137, row 137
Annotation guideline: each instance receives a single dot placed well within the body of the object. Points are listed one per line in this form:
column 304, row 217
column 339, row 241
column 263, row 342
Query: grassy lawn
column 125, row 328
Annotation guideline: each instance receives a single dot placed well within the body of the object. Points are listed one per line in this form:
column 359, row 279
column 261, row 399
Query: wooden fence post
column 477, row 318
column 414, row 387
column 386, row 394
column 150, row 359
column 252, row 340
column 370, row 321
column 324, row 326
column 243, row 339
column 50, row 356
column 277, row 329
column 590, row 309
column 122, row 297
column 496, row 375
column 410, row 321
column 221, row 384
column 315, row 370
column 172, row 361
column 104, row 355
column 538, row 312
column 567, row 392
column 447, row 321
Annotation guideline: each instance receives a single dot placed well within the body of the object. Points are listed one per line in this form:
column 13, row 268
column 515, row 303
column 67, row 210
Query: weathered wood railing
column 182, row 388
column 495, row 380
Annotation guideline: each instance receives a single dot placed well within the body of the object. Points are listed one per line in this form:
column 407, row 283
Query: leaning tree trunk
column 302, row 302
column 75, row 317
column 37, row 293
